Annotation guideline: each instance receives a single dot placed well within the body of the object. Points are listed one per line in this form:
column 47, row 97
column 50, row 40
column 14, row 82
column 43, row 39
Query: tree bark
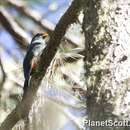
column 106, row 33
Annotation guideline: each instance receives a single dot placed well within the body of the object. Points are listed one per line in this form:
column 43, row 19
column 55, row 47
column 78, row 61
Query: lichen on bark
column 106, row 33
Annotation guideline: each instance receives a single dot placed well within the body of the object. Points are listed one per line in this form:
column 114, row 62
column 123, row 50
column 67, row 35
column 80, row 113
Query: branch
column 33, row 15
column 36, row 17
column 19, row 35
column 22, row 109
column 3, row 76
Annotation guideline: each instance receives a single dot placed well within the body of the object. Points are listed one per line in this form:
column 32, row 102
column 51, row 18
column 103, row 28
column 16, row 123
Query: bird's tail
column 26, row 82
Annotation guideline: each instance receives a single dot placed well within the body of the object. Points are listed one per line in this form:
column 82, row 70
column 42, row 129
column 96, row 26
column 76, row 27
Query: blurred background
column 60, row 102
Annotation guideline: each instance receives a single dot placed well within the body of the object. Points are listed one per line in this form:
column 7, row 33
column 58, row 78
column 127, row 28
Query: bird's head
column 40, row 38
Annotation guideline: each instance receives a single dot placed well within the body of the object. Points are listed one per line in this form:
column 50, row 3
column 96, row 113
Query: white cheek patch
column 37, row 50
column 40, row 40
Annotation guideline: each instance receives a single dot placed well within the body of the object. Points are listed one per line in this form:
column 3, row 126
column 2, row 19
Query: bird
column 30, row 62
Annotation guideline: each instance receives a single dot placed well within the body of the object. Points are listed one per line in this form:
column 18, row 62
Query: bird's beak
column 44, row 35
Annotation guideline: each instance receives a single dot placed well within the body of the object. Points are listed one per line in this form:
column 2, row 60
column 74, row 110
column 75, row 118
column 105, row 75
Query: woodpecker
column 37, row 45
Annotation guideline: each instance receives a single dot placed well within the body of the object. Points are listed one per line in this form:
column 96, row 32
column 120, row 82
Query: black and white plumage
column 34, row 51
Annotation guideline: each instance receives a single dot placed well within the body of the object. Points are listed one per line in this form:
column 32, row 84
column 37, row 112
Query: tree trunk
column 107, row 59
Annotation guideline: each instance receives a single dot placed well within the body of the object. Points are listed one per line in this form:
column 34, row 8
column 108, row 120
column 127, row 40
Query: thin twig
column 19, row 35
column 3, row 75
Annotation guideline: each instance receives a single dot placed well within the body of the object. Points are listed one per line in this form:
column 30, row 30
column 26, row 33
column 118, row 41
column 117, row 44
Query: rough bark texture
column 107, row 60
